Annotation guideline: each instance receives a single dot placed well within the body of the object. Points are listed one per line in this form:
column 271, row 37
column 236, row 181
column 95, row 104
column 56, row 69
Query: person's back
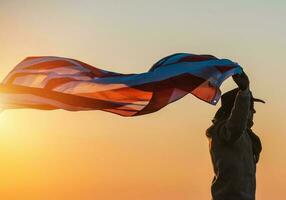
column 234, row 148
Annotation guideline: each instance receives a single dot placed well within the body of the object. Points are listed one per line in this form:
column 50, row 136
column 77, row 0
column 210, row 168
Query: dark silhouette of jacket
column 234, row 150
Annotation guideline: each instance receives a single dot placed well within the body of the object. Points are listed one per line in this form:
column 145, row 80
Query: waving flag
column 49, row 83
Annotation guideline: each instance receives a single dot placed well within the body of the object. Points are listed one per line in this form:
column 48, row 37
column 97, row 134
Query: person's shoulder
column 215, row 128
column 209, row 131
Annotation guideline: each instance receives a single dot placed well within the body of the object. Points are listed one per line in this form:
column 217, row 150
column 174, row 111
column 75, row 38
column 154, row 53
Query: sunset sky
column 61, row 155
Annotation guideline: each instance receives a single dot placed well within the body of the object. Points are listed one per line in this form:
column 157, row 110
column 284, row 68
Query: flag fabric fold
column 50, row 83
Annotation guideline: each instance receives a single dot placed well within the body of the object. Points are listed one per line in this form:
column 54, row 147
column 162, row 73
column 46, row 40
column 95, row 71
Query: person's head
column 227, row 102
column 251, row 113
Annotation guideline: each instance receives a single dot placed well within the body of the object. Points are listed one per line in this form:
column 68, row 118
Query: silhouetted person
column 234, row 147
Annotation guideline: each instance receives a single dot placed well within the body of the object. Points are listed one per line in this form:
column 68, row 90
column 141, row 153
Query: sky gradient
column 59, row 155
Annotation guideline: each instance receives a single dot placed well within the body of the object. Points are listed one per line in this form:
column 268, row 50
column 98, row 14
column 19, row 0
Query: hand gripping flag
column 49, row 83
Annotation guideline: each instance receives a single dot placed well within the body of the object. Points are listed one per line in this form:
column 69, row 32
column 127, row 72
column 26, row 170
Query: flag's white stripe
column 31, row 78
column 73, row 76
column 34, row 80
column 35, row 61
column 22, row 65
column 12, row 100
column 71, row 69
column 86, row 87
column 63, row 71
column 132, row 106
column 36, row 100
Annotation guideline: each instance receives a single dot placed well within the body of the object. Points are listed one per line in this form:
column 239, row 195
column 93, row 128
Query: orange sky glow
column 88, row 155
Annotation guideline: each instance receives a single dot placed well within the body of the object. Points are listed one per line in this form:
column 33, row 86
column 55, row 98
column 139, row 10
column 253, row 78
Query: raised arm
column 236, row 123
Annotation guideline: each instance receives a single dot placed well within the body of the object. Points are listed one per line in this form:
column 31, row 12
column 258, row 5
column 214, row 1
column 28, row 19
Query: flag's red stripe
column 224, row 69
column 126, row 94
column 50, row 64
column 164, row 89
column 197, row 58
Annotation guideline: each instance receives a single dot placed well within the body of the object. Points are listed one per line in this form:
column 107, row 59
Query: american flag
column 49, row 83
